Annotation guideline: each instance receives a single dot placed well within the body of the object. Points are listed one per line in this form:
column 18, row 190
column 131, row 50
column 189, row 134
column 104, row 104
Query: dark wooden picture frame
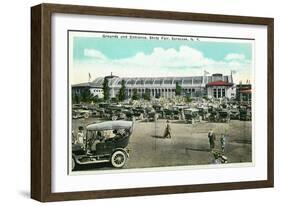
column 41, row 95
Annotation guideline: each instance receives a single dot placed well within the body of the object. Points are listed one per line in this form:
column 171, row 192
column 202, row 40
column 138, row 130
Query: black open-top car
column 99, row 147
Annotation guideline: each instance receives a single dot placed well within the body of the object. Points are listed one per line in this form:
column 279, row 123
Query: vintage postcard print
column 158, row 101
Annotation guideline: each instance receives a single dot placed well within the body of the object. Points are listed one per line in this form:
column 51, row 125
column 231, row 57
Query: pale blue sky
column 137, row 58
column 123, row 48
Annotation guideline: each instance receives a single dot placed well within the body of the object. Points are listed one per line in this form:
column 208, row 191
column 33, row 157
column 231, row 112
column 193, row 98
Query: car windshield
column 188, row 112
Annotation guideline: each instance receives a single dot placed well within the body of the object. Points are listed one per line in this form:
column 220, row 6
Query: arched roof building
column 159, row 86
column 194, row 81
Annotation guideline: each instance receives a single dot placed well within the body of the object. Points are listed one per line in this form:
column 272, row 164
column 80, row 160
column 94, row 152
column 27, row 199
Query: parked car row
column 192, row 112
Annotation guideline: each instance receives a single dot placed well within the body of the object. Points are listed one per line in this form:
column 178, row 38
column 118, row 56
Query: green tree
column 75, row 98
column 178, row 89
column 105, row 88
column 96, row 99
column 206, row 98
column 122, row 91
column 86, row 95
column 188, row 99
column 135, row 95
column 114, row 99
column 146, row 96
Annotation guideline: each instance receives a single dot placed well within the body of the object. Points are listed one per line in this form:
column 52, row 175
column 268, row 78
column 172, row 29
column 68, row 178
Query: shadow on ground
column 198, row 149
column 159, row 137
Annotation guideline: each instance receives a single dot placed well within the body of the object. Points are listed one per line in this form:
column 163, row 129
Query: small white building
column 96, row 90
column 220, row 89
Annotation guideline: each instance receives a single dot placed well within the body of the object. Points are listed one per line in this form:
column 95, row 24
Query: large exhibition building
column 213, row 86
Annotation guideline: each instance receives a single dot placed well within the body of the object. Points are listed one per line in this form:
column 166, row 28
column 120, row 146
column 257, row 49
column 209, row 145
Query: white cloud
column 170, row 58
column 234, row 56
column 95, row 54
column 161, row 62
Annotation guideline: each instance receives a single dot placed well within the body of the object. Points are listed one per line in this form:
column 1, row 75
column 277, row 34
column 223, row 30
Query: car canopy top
column 192, row 110
column 110, row 125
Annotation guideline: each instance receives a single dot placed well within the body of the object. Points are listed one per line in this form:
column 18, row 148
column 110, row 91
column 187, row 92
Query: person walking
column 223, row 140
column 167, row 133
column 212, row 138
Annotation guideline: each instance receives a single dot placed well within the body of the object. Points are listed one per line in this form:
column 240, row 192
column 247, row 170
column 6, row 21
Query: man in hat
column 212, row 138
column 167, row 132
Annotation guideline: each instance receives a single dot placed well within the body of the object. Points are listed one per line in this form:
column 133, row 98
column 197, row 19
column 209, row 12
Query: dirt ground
column 189, row 144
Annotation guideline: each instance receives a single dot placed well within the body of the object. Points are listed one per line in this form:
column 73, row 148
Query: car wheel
column 73, row 164
column 86, row 115
column 118, row 159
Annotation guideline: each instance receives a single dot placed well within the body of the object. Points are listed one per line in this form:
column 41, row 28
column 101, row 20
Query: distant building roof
column 219, row 83
column 86, row 84
column 246, row 91
column 115, row 81
column 244, row 86
column 217, row 75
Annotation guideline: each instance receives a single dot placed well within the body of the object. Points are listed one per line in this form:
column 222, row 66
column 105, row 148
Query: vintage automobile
column 159, row 110
column 245, row 115
column 234, row 114
column 171, row 113
column 151, row 114
column 203, row 112
column 139, row 113
column 210, row 108
column 192, row 115
column 111, row 112
column 213, row 116
column 99, row 148
column 179, row 111
column 219, row 115
column 95, row 110
column 123, row 114
column 104, row 105
column 77, row 106
column 223, row 115
column 128, row 113
column 81, row 113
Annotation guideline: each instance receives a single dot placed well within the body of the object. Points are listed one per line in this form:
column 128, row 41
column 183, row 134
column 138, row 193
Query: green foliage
column 86, row 95
column 135, row 95
column 114, row 99
column 122, row 91
column 96, row 99
column 105, row 88
column 178, row 89
column 146, row 96
column 75, row 98
column 188, row 99
column 206, row 98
